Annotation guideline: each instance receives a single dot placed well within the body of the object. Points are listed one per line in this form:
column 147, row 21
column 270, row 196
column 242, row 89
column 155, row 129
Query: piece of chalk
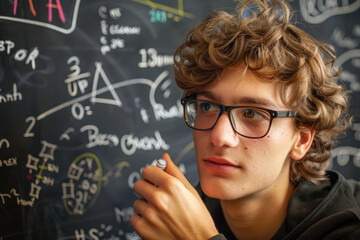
column 161, row 163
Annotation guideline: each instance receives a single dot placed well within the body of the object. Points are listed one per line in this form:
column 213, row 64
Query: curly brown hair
column 260, row 35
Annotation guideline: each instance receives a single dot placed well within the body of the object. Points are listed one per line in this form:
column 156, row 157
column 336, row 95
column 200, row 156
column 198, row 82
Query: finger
column 146, row 222
column 144, row 209
column 140, row 205
column 144, row 188
column 140, row 225
column 154, row 175
column 134, row 219
column 173, row 170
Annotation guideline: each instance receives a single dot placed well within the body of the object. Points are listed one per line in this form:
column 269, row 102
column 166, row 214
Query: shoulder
column 344, row 189
column 341, row 225
column 328, row 209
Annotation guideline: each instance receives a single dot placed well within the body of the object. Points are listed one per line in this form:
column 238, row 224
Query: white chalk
column 161, row 163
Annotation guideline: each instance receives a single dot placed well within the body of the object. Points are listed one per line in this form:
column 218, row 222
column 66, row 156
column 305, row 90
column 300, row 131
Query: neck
column 259, row 216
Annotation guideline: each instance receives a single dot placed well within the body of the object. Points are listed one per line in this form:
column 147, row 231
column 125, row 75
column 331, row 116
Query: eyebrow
column 243, row 100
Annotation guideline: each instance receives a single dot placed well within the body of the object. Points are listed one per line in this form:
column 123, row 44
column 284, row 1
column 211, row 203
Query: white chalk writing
column 98, row 139
column 129, row 143
column 342, row 156
column 317, row 11
column 21, row 55
column 151, row 58
column 123, row 215
column 339, row 36
column 11, row 97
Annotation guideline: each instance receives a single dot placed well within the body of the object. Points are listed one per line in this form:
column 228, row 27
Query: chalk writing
column 6, row 46
column 151, row 58
column 117, row 29
column 317, row 11
column 83, row 186
column 160, row 111
column 342, row 40
column 76, row 80
column 157, row 14
column 32, row 121
column 21, row 55
column 109, row 31
column 117, row 172
column 39, row 166
column 50, row 6
column 342, row 156
column 346, row 76
column 19, row 200
column 101, row 74
column 98, row 139
column 42, row 14
column 103, row 232
column 114, row 13
column 10, row 162
column 129, row 143
column 174, row 111
column 11, row 97
column 356, row 30
column 66, row 134
column 89, row 105
column 356, row 128
column 123, row 215
column 4, row 142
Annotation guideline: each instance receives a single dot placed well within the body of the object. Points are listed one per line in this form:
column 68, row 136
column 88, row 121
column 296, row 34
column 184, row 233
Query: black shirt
column 328, row 210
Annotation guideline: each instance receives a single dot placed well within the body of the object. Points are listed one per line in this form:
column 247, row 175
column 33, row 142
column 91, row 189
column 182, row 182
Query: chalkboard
column 88, row 99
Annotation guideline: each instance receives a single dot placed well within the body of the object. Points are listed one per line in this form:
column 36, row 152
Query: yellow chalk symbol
column 80, row 190
column 177, row 11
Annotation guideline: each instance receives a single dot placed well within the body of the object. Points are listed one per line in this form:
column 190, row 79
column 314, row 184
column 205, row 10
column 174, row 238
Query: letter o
column 134, row 176
column 20, row 55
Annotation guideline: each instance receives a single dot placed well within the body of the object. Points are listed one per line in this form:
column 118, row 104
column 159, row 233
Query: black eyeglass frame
column 224, row 108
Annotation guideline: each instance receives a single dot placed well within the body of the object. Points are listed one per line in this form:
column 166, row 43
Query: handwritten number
column 75, row 66
column 28, row 132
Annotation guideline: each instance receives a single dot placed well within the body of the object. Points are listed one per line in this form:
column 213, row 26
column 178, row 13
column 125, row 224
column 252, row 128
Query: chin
column 216, row 189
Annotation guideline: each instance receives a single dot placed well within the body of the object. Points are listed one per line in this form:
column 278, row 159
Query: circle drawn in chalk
column 83, row 185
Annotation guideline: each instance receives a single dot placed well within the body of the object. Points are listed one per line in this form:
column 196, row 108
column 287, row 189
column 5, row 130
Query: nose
column 223, row 133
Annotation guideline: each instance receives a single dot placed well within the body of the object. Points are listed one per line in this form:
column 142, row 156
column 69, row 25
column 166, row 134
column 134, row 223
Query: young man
column 260, row 96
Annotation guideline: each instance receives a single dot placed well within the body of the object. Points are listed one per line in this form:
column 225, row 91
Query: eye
column 255, row 114
column 207, row 107
column 249, row 113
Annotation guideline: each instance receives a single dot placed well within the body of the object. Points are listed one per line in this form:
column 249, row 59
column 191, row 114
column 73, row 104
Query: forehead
column 240, row 86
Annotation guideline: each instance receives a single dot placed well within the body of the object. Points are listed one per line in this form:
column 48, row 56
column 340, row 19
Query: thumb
column 174, row 171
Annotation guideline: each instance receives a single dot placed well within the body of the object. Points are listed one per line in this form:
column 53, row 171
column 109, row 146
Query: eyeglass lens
column 250, row 122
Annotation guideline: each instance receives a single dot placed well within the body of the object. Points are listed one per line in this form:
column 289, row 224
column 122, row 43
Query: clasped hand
column 169, row 207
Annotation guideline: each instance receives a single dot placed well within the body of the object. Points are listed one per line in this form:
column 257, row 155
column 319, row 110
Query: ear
column 303, row 143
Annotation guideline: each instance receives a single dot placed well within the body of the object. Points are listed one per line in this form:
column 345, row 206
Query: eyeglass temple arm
column 282, row 114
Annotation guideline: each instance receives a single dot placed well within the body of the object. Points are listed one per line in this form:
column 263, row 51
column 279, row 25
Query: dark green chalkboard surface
column 88, row 99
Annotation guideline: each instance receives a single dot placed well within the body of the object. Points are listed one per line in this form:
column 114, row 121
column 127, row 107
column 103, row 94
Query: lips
column 219, row 165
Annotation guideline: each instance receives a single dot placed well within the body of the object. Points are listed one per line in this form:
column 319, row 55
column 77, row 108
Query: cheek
column 200, row 142
column 268, row 150
column 278, row 145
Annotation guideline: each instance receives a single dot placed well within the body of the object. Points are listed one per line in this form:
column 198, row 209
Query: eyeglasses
column 249, row 122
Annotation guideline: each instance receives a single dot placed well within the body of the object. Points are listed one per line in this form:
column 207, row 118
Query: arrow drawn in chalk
column 110, row 87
